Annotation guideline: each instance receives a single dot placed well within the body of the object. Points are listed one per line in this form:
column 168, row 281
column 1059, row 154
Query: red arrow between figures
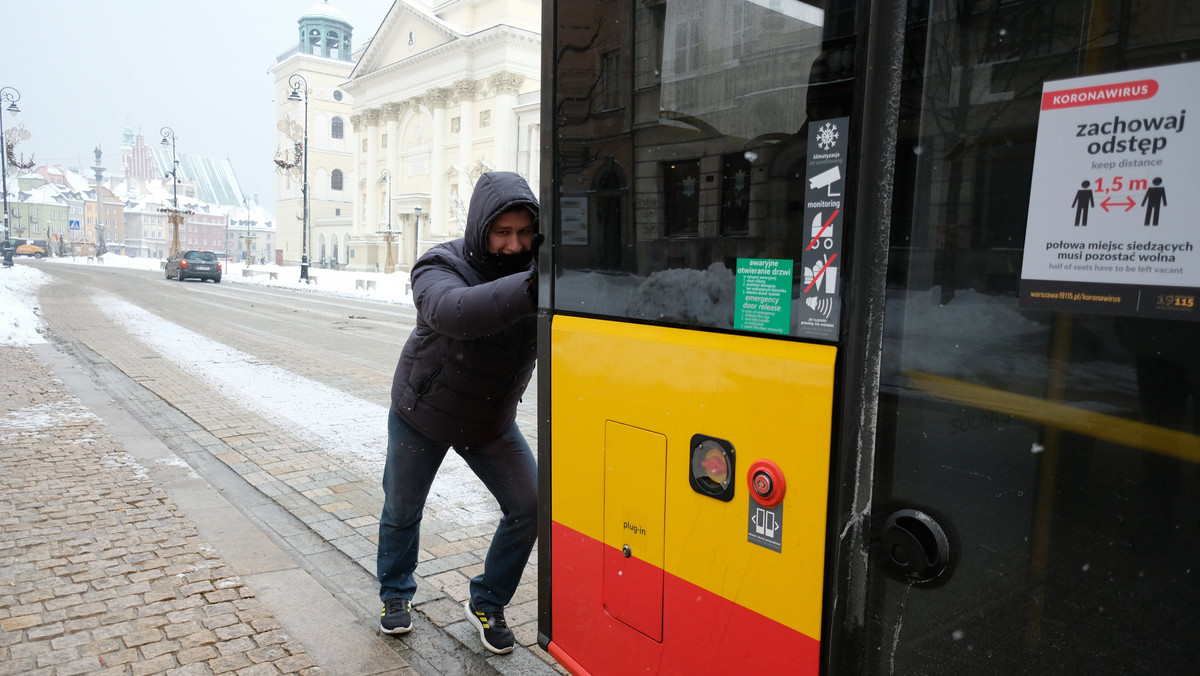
column 1128, row 204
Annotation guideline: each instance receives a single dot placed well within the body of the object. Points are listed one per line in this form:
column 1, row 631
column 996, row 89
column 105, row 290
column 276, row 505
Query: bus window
column 1057, row 444
column 683, row 148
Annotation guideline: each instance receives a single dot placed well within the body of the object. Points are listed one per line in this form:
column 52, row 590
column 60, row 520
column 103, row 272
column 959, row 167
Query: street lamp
column 388, row 235
column 249, row 237
column 386, row 177
column 298, row 85
column 168, row 139
column 12, row 96
column 416, row 233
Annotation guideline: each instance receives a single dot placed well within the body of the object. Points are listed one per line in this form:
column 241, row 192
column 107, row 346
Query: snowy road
column 316, row 364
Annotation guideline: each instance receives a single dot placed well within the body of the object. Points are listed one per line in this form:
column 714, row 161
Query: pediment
column 405, row 33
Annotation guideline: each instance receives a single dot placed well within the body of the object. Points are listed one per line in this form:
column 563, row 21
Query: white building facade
column 439, row 96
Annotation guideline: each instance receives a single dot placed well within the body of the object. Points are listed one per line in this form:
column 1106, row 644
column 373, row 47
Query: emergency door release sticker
column 763, row 295
column 1112, row 223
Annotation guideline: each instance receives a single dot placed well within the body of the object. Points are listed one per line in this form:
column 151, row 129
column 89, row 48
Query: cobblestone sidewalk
column 99, row 572
column 335, row 502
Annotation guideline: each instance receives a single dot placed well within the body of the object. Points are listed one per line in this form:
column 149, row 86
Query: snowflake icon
column 827, row 136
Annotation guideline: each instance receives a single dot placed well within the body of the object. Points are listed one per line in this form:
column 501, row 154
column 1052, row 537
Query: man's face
column 511, row 232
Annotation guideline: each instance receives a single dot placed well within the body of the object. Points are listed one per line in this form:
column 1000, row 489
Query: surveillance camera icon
column 825, row 179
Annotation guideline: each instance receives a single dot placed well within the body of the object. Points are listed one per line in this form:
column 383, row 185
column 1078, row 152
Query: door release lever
column 915, row 545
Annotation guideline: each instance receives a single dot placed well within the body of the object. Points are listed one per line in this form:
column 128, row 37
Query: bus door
column 1033, row 488
column 693, row 300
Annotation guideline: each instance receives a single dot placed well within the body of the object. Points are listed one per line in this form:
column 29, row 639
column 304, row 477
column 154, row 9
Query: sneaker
column 396, row 617
column 493, row 630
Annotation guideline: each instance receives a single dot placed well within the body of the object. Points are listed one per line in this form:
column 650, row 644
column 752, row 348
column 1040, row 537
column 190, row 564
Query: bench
column 364, row 284
column 247, row 272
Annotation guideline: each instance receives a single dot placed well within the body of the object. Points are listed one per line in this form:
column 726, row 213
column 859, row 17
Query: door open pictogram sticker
column 765, row 526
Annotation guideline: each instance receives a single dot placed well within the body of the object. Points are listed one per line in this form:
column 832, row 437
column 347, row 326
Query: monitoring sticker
column 818, row 314
column 1112, row 212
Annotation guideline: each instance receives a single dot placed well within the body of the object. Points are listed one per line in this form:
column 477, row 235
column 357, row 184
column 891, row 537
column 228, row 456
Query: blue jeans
column 505, row 465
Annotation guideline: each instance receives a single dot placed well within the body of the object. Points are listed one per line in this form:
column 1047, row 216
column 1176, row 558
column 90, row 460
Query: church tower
column 136, row 159
column 324, row 31
column 310, row 101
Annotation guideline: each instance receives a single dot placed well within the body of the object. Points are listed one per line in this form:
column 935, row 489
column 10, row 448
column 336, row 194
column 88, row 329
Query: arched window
column 333, row 44
column 337, row 128
column 335, row 180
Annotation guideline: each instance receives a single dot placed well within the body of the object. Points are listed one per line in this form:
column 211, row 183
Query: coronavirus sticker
column 1112, row 209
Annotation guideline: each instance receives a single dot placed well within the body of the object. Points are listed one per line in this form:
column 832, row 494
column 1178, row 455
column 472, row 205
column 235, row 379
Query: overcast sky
column 86, row 70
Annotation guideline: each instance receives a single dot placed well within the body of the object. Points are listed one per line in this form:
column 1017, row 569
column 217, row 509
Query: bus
column 868, row 337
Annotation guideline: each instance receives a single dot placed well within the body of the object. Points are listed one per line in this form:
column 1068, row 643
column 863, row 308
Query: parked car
column 194, row 264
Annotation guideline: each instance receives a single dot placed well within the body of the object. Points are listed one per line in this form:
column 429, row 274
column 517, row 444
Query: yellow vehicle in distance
column 28, row 247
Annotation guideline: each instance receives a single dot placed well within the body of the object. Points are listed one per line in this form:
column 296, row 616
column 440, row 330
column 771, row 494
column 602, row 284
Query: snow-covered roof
column 46, row 193
column 216, row 182
column 75, row 181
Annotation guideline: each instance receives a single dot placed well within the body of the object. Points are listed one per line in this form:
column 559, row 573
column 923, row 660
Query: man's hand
column 535, row 244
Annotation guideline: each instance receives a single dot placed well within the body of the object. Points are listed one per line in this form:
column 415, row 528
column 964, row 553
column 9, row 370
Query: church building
column 440, row 95
column 399, row 132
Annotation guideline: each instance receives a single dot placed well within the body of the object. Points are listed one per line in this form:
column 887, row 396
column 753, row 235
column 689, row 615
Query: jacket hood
column 495, row 193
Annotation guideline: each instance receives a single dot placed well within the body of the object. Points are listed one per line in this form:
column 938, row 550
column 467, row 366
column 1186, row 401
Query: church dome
column 324, row 10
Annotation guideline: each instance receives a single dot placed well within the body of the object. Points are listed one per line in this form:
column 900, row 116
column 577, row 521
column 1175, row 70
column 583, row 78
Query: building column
column 373, row 168
column 436, row 218
column 469, row 122
column 505, row 86
column 391, row 161
column 357, row 188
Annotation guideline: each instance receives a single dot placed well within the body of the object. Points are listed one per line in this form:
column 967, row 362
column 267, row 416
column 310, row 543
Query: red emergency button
column 763, row 484
column 767, row 485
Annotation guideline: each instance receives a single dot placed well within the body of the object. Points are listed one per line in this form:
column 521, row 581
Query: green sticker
column 764, row 295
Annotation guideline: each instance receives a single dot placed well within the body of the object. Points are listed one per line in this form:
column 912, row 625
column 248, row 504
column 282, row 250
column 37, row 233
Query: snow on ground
column 353, row 434
column 20, row 317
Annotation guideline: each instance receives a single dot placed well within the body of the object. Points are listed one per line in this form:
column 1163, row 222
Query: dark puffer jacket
column 466, row 365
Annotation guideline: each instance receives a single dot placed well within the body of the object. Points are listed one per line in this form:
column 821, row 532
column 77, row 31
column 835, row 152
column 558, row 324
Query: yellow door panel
column 613, row 382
